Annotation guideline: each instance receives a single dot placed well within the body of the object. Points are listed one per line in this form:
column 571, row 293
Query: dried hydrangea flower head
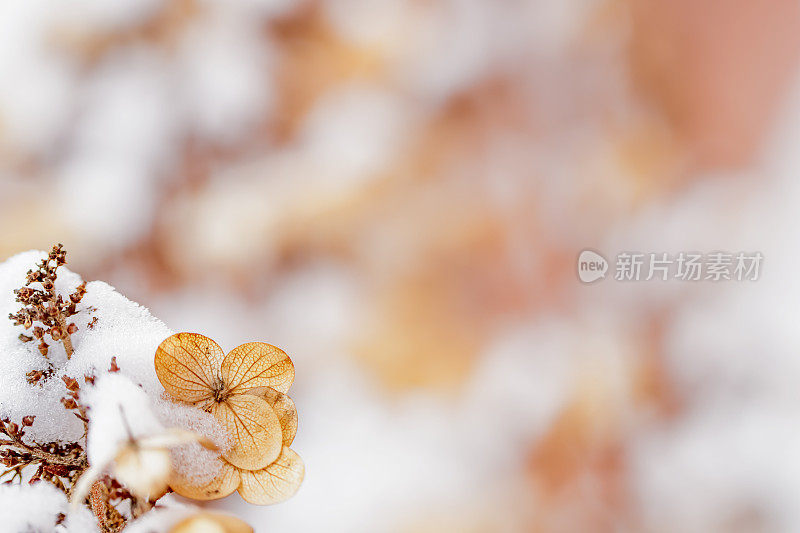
column 246, row 392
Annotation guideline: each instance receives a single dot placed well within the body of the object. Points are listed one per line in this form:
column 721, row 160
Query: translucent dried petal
column 225, row 483
column 187, row 364
column 283, row 407
column 143, row 471
column 211, row 523
column 257, row 364
column 275, row 483
column 254, row 430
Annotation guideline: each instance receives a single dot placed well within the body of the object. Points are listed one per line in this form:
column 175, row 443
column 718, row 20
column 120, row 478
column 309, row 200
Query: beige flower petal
column 143, row 471
column 275, row 483
column 254, row 429
column 188, row 366
column 206, row 522
column 225, row 483
column 283, row 407
column 257, row 364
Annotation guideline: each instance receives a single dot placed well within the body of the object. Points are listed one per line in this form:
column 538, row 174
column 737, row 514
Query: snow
column 192, row 461
column 123, row 329
column 26, row 508
column 119, row 411
column 125, row 404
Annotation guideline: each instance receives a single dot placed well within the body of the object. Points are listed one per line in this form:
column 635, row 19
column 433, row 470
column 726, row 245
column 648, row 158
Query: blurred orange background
column 396, row 194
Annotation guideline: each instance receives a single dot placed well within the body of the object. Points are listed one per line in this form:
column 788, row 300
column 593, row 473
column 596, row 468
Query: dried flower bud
column 57, row 470
column 27, row 322
column 69, row 403
column 28, row 420
column 88, row 379
column 34, row 376
column 12, row 428
column 72, row 384
column 144, row 471
column 38, row 332
column 43, row 348
column 114, row 367
column 48, row 285
column 24, row 293
column 25, row 338
column 55, row 332
column 72, row 329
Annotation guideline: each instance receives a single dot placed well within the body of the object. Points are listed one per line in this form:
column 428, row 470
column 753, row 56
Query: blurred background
column 396, row 192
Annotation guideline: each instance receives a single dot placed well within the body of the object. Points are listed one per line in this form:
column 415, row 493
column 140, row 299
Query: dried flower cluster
column 46, row 312
column 59, row 464
column 63, row 464
column 246, row 392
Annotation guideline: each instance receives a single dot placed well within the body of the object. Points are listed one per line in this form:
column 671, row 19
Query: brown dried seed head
column 72, row 328
column 43, row 349
column 114, row 367
column 38, row 332
column 55, row 332
column 28, row 420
